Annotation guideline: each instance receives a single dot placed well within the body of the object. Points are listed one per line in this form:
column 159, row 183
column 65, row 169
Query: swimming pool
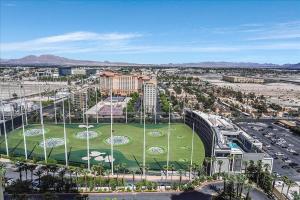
column 233, row 145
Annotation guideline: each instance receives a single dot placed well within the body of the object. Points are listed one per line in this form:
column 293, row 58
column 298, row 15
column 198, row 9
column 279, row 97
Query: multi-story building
column 119, row 83
column 64, row 71
column 122, row 84
column 225, row 141
column 79, row 98
column 150, row 96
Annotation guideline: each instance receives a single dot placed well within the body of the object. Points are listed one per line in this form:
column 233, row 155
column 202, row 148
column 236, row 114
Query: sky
column 152, row 31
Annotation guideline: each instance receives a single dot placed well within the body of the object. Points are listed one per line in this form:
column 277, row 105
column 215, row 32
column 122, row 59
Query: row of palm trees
column 75, row 177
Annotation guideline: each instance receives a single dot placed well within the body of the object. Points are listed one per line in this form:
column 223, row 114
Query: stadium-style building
column 226, row 141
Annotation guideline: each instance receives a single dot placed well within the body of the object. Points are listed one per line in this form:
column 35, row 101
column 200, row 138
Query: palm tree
column 25, row 168
column 266, row 166
column 123, row 166
column 2, row 179
column 61, row 174
column 45, row 168
column 284, row 179
column 200, row 170
column 165, row 168
column 146, row 171
column 100, row 172
column 133, row 176
column 71, row 171
column 117, row 169
column 241, row 178
column 289, row 183
column 190, row 170
column 94, row 171
column 225, row 178
column 220, row 162
column 172, row 168
column 213, row 160
column 207, row 161
column 77, row 171
column 245, row 163
column 274, row 177
column 230, row 159
column 39, row 173
column 259, row 169
column 194, row 169
column 180, row 171
column 248, row 187
column 31, row 168
column 20, row 167
column 85, row 172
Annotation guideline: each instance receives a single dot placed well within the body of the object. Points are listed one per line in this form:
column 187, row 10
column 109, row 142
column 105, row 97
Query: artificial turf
column 131, row 154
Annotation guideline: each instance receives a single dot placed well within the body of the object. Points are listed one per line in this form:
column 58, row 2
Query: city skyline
column 152, row 31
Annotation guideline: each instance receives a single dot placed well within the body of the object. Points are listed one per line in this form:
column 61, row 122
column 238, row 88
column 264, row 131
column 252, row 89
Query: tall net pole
column 111, row 135
column 144, row 143
column 4, row 127
column 168, row 154
column 192, row 151
column 65, row 133
column 42, row 124
column 11, row 111
column 97, row 117
column 23, row 128
column 87, row 131
column 126, row 110
column 26, row 119
column 69, row 107
column 55, row 114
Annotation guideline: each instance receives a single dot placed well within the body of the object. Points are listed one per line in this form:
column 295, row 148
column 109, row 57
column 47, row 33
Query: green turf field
column 130, row 153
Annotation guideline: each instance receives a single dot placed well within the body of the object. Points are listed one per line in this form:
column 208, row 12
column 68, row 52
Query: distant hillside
column 57, row 60
column 227, row 65
column 61, row 61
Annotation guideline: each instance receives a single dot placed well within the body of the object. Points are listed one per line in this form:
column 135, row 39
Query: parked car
column 285, row 167
column 279, row 154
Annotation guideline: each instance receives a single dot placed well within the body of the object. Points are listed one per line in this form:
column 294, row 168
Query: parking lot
column 279, row 143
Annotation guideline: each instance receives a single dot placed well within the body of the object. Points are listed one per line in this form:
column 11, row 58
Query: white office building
column 150, row 96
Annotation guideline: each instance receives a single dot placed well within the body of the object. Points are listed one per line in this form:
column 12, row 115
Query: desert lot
column 283, row 93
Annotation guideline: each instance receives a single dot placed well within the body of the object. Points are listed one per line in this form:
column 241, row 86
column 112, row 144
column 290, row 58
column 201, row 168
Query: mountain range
column 52, row 60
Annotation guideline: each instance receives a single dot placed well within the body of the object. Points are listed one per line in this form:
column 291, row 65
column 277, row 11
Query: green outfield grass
column 130, row 153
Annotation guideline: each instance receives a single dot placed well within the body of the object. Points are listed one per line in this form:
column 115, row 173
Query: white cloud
column 84, row 36
column 9, row 4
column 124, row 43
column 59, row 41
column 279, row 31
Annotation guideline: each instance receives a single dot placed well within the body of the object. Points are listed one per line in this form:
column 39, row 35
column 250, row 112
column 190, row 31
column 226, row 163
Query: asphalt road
column 257, row 129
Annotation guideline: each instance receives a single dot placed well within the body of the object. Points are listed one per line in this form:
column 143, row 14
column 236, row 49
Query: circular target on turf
column 118, row 140
column 155, row 133
column 34, row 132
column 52, row 142
column 84, row 134
column 156, row 150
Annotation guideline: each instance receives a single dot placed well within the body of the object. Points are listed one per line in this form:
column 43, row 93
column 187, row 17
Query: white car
column 290, row 145
column 291, row 150
column 278, row 183
column 279, row 154
column 287, row 161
